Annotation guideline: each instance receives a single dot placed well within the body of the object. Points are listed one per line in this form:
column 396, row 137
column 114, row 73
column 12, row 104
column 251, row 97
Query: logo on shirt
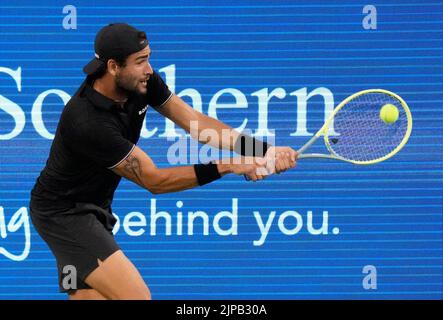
column 143, row 110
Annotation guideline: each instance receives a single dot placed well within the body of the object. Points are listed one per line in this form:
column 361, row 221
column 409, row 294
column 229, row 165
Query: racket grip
column 246, row 177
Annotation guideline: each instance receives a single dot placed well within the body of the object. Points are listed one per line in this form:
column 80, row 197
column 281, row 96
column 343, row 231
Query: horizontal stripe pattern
column 389, row 215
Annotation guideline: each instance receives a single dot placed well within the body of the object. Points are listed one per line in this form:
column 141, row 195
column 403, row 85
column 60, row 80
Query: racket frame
column 324, row 131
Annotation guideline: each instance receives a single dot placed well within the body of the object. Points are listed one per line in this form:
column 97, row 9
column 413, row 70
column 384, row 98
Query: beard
column 129, row 84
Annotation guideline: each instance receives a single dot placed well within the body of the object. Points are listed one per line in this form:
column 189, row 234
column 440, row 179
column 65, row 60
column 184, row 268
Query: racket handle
column 246, row 177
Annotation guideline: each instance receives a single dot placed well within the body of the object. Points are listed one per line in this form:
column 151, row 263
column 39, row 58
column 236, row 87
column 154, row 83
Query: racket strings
column 362, row 135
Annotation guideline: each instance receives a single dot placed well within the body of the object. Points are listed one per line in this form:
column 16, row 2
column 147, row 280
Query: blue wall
column 388, row 215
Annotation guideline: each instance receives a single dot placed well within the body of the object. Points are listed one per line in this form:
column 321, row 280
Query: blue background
column 389, row 214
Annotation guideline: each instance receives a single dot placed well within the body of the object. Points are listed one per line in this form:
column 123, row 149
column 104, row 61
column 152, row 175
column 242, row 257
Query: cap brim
column 92, row 66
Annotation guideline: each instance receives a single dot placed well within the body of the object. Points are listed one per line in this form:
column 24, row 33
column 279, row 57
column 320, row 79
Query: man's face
column 134, row 75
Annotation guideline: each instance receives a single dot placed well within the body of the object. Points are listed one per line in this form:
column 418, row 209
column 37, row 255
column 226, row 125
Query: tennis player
column 95, row 145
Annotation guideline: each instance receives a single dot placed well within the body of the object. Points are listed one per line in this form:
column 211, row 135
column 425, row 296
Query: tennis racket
column 355, row 131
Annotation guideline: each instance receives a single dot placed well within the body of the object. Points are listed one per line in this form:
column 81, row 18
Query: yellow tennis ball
column 389, row 113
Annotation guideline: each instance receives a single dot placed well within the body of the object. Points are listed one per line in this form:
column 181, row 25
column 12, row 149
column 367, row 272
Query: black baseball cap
column 115, row 41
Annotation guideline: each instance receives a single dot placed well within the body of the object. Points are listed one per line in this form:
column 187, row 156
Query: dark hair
column 121, row 62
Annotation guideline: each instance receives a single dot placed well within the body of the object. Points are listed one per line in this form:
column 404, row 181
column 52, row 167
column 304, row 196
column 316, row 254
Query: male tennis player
column 95, row 145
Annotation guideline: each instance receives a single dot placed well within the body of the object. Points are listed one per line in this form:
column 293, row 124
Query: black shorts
column 77, row 237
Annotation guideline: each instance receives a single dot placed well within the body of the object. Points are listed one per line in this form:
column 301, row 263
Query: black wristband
column 206, row 173
column 251, row 147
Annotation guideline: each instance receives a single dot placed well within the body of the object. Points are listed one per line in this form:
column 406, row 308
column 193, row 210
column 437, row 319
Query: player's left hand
column 280, row 159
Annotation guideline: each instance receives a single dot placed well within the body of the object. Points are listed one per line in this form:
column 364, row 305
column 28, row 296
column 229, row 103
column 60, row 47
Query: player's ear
column 112, row 67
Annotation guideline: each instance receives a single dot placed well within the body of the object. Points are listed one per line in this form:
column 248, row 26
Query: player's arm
column 139, row 168
column 179, row 112
column 225, row 137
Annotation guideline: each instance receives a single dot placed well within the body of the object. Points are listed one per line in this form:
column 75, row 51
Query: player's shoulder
column 77, row 110
column 79, row 104
column 158, row 91
column 80, row 115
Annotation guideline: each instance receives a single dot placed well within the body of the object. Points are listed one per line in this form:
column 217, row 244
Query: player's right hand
column 254, row 168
